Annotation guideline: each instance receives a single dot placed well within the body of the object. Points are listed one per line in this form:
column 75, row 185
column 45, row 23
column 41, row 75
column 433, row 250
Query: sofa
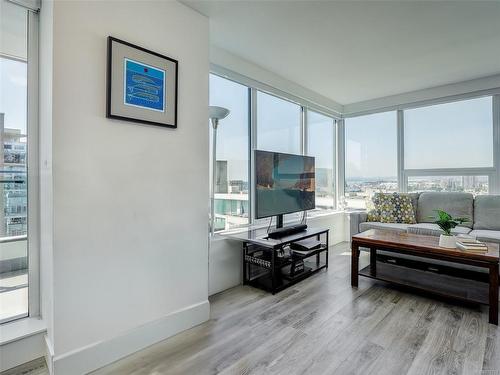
column 482, row 211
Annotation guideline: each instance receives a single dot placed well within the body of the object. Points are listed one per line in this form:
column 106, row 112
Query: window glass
column 231, row 189
column 469, row 184
column 370, row 158
column 278, row 124
column 13, row 166
column 321, row 145
column 451, row 135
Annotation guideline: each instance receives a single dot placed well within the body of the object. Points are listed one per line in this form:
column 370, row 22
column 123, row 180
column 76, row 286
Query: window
column 468, row 184
column 321, row 145
column 455, row 137
column 231, row 189
column 371, row 157
column 278, row 124
column 13, row 163
column 451, row 135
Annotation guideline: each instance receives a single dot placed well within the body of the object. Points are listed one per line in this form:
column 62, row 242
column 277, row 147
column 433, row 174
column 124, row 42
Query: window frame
column 305, row 150
column 33, row 213
column 404, row 174
column 305, row 105
column 32, row 166
column 249, row 146
column 344, row 137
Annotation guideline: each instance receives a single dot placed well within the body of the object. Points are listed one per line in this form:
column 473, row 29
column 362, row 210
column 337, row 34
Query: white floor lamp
column 215, row 114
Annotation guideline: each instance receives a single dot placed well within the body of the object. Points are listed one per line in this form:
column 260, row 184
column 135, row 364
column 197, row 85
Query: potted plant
column 446, row 222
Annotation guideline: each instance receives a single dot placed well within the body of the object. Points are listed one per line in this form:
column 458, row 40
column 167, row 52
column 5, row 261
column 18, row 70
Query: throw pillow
column 373, row 216
column 396, row 208
column 372, row 206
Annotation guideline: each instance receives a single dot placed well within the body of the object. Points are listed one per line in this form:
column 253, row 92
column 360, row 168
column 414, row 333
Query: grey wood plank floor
column 323, row 326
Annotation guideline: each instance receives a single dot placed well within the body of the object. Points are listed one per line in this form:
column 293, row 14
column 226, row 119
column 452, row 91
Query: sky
column 13, row 89
column 451, row 135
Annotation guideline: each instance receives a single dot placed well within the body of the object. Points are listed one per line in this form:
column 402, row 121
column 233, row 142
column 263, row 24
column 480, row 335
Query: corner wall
column 130, row 206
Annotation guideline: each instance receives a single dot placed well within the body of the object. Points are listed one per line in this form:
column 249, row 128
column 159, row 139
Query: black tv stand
column 264, row 258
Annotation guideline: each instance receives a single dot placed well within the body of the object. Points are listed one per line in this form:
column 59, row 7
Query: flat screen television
column 284, row 183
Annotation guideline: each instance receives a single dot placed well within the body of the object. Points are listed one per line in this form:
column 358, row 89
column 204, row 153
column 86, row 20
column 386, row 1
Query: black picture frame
column 110, row 111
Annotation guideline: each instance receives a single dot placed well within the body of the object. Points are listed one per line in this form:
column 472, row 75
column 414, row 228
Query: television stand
column 265, row 259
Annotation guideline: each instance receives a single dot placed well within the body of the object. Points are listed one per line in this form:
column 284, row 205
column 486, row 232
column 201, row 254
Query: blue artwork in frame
column 141, row 85
column 144, row 86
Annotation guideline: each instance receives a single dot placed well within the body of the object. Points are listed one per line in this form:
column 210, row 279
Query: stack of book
column 471, row 245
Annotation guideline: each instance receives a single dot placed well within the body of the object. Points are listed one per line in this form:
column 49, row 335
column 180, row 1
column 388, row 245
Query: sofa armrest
column 356, row 218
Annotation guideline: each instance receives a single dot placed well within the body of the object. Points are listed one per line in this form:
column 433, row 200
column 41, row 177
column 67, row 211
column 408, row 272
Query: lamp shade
column 217, row 113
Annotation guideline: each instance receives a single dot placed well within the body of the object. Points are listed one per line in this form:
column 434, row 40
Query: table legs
column 493, row 302
column 354, row 264
column 373, row 261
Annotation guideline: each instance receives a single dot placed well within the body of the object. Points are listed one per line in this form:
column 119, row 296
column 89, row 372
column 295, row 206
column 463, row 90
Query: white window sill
column 20, row 329
column 221, row 235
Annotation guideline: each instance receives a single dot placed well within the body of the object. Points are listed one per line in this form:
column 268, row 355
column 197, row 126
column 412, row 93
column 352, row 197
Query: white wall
column 226, row 269
column 129, row 202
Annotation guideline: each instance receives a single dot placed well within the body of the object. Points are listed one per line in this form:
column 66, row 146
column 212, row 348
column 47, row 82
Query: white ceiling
column 361, row 50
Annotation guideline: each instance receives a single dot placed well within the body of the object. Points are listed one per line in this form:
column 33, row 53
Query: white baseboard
column 49, row 354
column 97, row 355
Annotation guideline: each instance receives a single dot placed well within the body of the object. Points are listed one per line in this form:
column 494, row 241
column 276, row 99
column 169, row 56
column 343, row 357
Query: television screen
column 284, row 183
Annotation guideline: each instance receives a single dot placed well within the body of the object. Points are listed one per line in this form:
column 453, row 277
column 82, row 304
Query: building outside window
column 232, row 173
column 468, row 184
column 370, row 158
column 321, row 145
column 13, row 162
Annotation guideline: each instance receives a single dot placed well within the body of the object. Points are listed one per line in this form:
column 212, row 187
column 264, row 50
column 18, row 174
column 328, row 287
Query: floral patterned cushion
column 373, row 216
column 395, row 208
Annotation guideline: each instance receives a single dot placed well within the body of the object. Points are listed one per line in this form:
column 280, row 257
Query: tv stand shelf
column 265, row 258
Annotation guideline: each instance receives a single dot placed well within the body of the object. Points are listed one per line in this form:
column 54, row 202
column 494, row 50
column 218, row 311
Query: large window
column 455, row 137
column 232, row 178
column 451, row 135
column 13, row 163
column 278, row 124
column 370, row 157
column 321, row 145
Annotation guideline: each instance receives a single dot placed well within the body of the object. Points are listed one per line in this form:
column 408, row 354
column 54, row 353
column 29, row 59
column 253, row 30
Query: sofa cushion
column 486, row 235
column 395, row 227
column 456, row 204
column 395, row 208
column 414, row 201
column 430, row 229
column 487, row 212
column 373, row 215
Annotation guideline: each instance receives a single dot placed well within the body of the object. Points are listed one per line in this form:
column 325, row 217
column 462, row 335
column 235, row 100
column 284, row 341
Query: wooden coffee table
column 444, row 281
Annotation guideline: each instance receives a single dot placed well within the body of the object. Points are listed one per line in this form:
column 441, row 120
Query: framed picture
column 141, row 85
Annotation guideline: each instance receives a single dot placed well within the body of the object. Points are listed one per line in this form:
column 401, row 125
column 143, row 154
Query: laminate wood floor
column 323, row 326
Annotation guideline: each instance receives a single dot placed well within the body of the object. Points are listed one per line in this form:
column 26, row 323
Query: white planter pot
column 449, row 242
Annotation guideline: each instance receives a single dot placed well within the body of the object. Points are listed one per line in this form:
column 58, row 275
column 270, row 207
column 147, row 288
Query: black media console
column 268, row 263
